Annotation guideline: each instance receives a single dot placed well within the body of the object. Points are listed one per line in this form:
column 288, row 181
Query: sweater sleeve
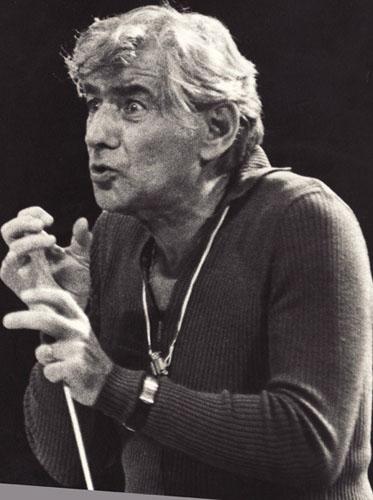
column 298, row 429
column 48, row 426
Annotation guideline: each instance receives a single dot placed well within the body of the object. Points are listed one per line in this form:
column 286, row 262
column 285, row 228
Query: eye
column 92, row 105
column 134, row 107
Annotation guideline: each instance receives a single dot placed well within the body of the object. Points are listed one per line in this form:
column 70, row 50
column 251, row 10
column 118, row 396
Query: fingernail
column 58, row 251
column 49, row 352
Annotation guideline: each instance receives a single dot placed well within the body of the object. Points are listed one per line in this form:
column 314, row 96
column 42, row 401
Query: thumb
column 81, row 238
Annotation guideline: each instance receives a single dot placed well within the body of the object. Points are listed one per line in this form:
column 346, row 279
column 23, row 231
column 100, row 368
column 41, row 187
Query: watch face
column 149, row 390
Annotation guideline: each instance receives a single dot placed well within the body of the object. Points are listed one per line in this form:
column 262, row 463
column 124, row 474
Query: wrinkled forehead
column 145, row 69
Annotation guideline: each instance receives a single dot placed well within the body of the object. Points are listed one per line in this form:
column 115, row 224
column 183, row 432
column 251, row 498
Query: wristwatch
column 145, row 401
column 149, row 390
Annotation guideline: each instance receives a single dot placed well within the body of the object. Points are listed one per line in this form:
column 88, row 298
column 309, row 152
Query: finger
column 39, row 267
column 13, row 267
column 69, row 349
column 60, row 350
column 54, row 298
column 32, row 242
column 56, row 253
column 44, row 354
column 81, row 238
column 42, row 320
column 39, row 213
column 12, row 262
column 35, row 276
column 56, row 372
column 16, row 228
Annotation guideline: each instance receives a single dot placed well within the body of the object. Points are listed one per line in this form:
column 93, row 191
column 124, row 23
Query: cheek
column 170, row 148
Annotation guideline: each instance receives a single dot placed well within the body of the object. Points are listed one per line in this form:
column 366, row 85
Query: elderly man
column 226, row 350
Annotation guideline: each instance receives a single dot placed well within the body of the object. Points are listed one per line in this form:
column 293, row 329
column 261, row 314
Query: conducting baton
column 42, row 278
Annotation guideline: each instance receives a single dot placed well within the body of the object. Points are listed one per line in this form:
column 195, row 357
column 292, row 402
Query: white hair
column 202, row 64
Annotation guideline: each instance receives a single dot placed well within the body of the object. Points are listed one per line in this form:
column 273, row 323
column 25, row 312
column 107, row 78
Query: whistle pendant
column 158, row 364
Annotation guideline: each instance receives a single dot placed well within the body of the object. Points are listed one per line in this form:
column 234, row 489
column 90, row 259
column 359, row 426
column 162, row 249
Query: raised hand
column 70, row 266
column 75, row 357
column 34, row 259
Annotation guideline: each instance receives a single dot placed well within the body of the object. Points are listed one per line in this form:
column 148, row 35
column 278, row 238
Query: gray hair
column 202, row 64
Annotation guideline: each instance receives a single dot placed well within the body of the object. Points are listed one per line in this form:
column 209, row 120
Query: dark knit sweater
column 269, row 391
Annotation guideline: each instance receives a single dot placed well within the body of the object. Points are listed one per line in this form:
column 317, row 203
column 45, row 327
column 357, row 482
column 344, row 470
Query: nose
column 103, row 128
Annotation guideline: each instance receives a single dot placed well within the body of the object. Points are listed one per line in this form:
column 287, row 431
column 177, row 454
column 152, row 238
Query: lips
column 101, row 173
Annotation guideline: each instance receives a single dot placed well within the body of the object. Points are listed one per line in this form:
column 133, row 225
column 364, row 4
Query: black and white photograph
column 186, row 218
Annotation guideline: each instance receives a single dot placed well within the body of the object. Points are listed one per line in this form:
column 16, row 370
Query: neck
column 177, row 231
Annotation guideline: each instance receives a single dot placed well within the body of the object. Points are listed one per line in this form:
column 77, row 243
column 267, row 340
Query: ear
column 222, row 122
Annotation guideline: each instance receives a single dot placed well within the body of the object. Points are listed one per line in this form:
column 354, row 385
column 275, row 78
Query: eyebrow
column 121, row 90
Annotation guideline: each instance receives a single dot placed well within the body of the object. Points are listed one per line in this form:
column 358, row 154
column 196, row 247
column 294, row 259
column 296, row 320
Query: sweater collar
column 254, row 166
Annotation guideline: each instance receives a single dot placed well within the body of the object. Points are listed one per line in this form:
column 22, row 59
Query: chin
column 129, row 203
column 109, row 204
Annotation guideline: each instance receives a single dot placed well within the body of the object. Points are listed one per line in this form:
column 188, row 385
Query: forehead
column 145, row 72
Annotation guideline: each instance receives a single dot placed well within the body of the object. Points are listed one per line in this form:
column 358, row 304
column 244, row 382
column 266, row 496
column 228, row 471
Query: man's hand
column 76, row 357
column 34, row 259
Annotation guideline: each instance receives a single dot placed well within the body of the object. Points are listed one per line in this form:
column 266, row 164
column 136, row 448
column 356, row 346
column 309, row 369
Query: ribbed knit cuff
column 119, row 395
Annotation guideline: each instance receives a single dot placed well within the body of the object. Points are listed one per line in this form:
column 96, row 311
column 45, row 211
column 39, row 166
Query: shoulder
column 285, row 211
column 286, row 187
column 315, row 224
column 273, row 190
column 279, row 193
column 311, row 201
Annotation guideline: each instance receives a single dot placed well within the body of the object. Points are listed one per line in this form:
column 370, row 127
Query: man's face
column 141, row 159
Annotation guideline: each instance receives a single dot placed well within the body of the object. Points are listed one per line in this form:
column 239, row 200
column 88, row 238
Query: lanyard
column 159, row 365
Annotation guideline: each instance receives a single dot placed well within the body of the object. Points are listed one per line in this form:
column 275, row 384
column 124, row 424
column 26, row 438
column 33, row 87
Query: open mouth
column 102, row 173
column 101, row 168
